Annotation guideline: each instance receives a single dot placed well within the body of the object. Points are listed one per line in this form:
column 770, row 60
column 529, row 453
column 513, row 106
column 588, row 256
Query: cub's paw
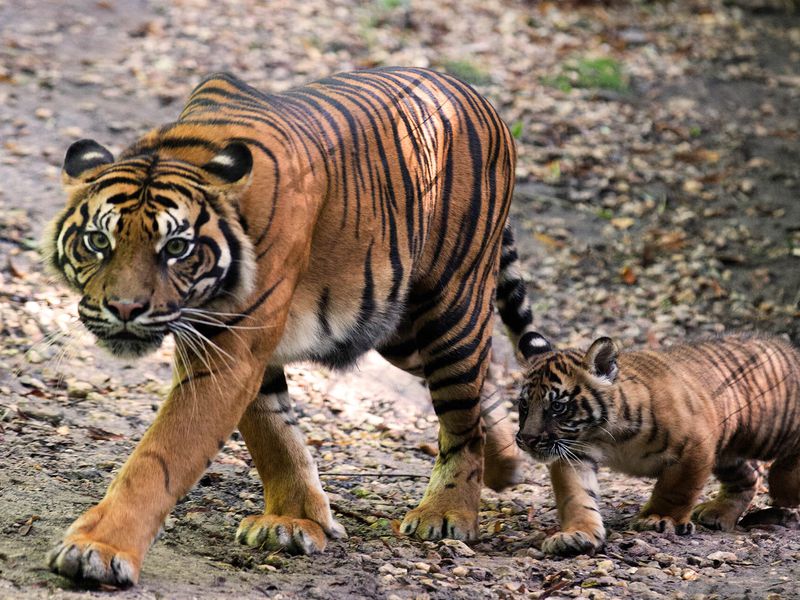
column 82, row 559
column 716, row 515
column 298, row 536
column 571, row 543
column 502, row 471
column 430, row 523
column 773, row 516
column 662, row 524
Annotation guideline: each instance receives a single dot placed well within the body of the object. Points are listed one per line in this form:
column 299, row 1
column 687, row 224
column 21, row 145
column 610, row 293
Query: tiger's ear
column 83, row 156
column 233, row 164
column 532, row 343
column 601, row 359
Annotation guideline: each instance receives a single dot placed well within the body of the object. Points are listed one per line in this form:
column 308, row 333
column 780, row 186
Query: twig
column 374, row 474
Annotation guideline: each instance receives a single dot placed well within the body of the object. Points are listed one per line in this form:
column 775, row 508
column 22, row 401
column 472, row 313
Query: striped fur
column 711, row 407
column 367, row 210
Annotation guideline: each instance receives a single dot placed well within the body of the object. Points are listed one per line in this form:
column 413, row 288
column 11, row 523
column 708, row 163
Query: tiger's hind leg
column 297, row 516
column 784, row 489
column 502, row 459
column 454, row 342
column 738, row 484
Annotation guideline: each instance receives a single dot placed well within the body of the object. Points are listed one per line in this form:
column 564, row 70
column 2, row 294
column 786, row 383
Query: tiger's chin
column 130, row 346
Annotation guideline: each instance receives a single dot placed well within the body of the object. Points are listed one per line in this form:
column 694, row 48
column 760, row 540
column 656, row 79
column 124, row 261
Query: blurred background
column 658, row 196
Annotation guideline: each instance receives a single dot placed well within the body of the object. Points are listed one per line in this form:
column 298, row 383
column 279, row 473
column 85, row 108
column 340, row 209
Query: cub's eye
column 97, row 241
column 176, row 248
column 558, row 407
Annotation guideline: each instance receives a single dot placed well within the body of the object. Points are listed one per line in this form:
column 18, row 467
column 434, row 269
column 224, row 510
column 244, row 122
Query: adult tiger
column 366, row 210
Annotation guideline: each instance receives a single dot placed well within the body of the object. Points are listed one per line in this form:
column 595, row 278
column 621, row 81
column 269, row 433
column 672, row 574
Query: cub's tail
column 512, row 299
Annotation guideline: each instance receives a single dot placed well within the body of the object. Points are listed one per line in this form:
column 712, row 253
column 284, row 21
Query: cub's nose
column 526, row 440
column 127, row 310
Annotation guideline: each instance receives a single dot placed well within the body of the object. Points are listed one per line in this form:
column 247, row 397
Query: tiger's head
column 147, row 238
column 565, row 405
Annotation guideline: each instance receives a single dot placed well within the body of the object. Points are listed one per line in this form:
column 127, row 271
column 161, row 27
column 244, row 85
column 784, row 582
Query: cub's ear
column 532, row 343
column 601, row 359
column 233, row 164
column 83, row 156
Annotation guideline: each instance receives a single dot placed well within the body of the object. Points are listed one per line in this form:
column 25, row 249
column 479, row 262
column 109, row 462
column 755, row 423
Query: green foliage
column 605, row 213
column 393, row 4
column 516, row 129
column 591, row 73
column 467, row 71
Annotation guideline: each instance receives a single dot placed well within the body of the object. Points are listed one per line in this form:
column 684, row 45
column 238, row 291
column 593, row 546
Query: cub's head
column 145, row 238
column 564, row 404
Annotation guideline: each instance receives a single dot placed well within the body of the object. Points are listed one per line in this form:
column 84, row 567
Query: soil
column 662, row 209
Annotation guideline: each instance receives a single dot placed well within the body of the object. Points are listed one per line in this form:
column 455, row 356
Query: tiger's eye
column 97, row 241
column 176, row 247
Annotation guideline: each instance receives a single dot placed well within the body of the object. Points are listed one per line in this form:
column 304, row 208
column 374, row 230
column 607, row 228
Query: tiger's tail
column 512, row 299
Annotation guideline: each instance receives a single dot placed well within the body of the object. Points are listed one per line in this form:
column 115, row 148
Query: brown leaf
column 395, row 524
column 627, row 275
column 26, row 527
column 429, row 449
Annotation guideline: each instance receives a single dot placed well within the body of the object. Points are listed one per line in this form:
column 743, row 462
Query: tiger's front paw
column 662, row 524
column 92, row 550
column 571, row 543
column 428, row 522
column 82, row 559
column 297, row 536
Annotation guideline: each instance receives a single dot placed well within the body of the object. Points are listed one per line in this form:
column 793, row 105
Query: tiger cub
column 714, row 406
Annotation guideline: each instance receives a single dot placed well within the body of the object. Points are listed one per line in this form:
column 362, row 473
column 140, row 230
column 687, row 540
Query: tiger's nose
column 127, row 310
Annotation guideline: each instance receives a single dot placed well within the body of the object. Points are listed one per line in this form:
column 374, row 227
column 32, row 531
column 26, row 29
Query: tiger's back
column 404, row 160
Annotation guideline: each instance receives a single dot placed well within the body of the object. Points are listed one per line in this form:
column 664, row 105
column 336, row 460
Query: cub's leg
column 297, row 516
column 675, row 494
column 784, row 489
column 576, row 490
column 502, row 455
column 738, row 483
column 454, row 344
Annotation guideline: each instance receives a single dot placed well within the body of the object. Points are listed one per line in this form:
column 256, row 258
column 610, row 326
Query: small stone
column 689, row 575
column 649, row 573
column 459, row 548
column 30, row 411
column 78, row 389
column 721, row 556
column 319, row 418
column 391, row 569
column 461, row 571
column 664, row 559
column 421, row 566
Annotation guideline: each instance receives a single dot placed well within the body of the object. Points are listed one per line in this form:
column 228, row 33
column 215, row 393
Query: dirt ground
column 659, row 176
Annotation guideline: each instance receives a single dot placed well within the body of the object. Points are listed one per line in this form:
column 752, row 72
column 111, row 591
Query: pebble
column 461, row 571
column 31, row 411
column 649, row 573
column 459, row 548
column 721, row 556
column 78, row 389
